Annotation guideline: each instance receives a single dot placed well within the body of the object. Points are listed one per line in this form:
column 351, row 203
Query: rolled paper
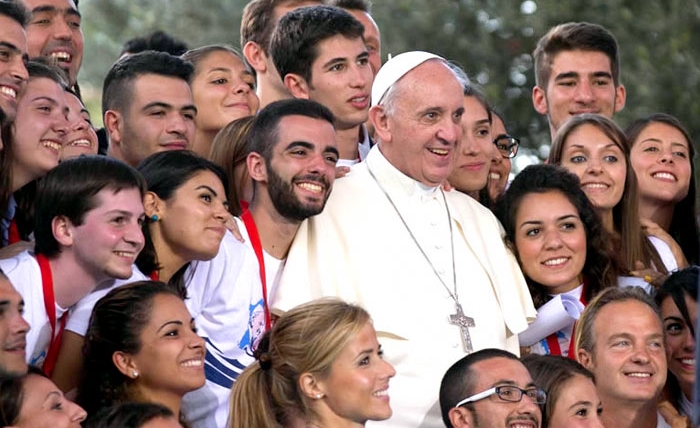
column 557, row 314
column 633, row 281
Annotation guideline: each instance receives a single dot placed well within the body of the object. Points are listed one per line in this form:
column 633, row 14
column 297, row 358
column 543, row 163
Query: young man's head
column 54, row 32
column 321, row 55
column 292, row 157
column 13, row 48
column 158, row 41
column 13, row 330
column 362, row 11
column 147, row 105
column 257, row 24
column 620, row 339
column 577, row 70
column 490, row 388
column 90, row 208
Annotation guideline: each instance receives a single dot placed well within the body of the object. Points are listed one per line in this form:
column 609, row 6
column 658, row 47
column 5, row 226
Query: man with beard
column 13, row 48
column 292, row 157
column 490, row 388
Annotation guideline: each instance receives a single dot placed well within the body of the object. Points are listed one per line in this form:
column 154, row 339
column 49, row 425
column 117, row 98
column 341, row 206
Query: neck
column 629, row 414
column 661, row 214
column 606, row 216
column 328, row 418
column 348, row 141
column 20, row 178
column 202, row 141
column 169, row 261
column 276, row 232
column 71, row 282
column 169, row 399
column 268, row 91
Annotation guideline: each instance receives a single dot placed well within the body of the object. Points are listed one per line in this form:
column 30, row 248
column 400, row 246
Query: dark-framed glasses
column 507, row 145
column 509, row 393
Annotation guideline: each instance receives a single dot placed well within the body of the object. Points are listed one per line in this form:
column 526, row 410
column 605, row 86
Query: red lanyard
column 13, row 233
column 154, row 276
column 254, row 237
column 553, row 342
column 50, row 306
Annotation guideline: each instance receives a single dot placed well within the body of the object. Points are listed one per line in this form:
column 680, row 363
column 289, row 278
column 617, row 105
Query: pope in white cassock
column 430, row 266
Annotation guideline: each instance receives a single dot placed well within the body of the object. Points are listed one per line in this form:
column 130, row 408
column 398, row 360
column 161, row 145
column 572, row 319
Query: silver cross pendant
column 463, row 322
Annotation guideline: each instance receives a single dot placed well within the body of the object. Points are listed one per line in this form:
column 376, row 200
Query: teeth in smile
column 440, row 152
column 664, row 175
column 81, row 142
column 639, row 374
column 495, row 176
column 124, row 253
column 192, row 363
column 554, row 262
column 383, row 393
column 61, row 56
column 9, row 92
column 595, row 186
column 688, row 361
column 358, row 100
column 311, row 187
column 52, row 145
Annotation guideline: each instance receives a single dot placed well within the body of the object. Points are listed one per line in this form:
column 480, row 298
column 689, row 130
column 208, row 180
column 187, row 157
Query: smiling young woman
column 320, row 365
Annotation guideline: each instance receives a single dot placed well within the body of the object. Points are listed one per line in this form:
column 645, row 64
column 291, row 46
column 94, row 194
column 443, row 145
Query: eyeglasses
column 509, row 393
column 507, row 145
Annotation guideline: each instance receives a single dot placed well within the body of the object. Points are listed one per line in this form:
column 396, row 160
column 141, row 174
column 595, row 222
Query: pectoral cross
column 463, row 322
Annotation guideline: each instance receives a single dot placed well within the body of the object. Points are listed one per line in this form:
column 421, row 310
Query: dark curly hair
column 600, row 268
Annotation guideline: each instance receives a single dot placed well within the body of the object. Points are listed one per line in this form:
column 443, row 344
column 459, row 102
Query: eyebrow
column 673, row 318
column 581, row 146
column 334, row 61
column 537, row 222
column 10, row 46
column 579, row 403
column 483, row 122
column 55, row 10
column 204, row 186
column 168, row 323
column 45, row 98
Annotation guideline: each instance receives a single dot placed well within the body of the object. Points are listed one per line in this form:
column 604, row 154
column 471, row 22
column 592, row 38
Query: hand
column 232, row 226
column 652, row 276
column 653, row 229
column 16, row 248
column 672, row 417
column 446, row 186
column 341, row 171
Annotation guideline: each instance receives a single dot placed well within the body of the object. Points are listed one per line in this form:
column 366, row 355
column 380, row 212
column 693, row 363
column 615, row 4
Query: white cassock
column 359, row 249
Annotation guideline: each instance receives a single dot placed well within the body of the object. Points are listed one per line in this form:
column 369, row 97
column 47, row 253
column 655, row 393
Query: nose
column 241, row 88
column 134, row 236
column 19, row 324
column 449, row 132
column 584, row 92
column 527, row 406
column 77, row 413
column 362, row 73
column 220, row 212
column 177, row 124
column 688, row 340
column 666, row 156
column 196, row 341
column 18, row 70
column 388, row 370
column 62, row 29
column 641, row 354
column 594, row 166
column 552, row 240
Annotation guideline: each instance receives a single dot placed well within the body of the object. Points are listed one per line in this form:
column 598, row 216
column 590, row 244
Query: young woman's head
column 321, row 363
column 186, row 210
column 33, row 400
column 555, row 233
column 677, row 299
column 223, row 88
column 572, row 399
column 134, row 415
column 81, row 138
column 229, row 150
column 662, row 157
column 141, row 345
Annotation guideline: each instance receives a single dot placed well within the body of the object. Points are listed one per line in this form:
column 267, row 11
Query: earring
column 154, row 218
column 135, row 374
column 319, row 395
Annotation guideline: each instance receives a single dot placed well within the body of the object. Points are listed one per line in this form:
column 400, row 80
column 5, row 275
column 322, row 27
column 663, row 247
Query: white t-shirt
column 225, row 300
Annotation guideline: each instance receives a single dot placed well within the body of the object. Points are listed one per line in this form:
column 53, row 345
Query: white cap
column 395, row 69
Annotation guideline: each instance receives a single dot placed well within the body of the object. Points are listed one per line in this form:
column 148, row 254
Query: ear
column 620, row 97
column 62, row 230
column 539, row 100
column 113, row 124
column 381, row 123
column 125, row 364
column 256, row 167
column 152, row 204
column 297, row 86
column 585, row 358
column 460, row 417
column 310, row 386
column 255, row 56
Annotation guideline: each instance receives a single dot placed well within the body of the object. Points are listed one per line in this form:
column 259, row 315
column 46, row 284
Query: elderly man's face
column 419, row 137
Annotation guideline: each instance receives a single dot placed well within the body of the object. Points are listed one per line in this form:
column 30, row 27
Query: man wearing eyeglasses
column 490, row 388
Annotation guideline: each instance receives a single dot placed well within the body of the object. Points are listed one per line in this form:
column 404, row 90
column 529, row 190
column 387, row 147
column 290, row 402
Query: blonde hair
column 307, row 339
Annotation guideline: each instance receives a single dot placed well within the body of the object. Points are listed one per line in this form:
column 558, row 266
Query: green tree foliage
column 491, row 39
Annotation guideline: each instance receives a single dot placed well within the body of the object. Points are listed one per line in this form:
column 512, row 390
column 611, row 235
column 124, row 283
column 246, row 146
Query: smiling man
column 148, row 106
column 321, row 55
column 13, row 330
column 13, row 50
column 577, row 70
column 88, row 234
column 54, row 32
column 422, row 261
column 620, row 339
column 490, row 388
